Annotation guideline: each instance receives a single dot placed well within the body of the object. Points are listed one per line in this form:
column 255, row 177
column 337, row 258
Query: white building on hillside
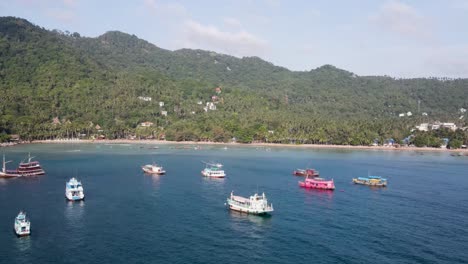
column 145, row 98
column 423, row 127
column 451, row 126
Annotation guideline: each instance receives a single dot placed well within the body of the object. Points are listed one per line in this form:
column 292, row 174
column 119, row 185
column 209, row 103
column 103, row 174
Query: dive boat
column 74, row 190
column 213, row 170
column 153, row 169
column 318, row 183
column 306, row 172
column 256, row 204
column 22, row 225
column 30, row 168
column 376, row 181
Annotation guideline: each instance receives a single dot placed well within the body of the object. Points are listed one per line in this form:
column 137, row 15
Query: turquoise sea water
column 129, row 217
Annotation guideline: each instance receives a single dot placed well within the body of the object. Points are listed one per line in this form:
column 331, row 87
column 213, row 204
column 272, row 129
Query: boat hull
column 370, row 184
column 9, row 175
column 153, row 172
column 320, row 186
column 21, row 233
column 212, row 176
column 74, row 198
column 248, row 211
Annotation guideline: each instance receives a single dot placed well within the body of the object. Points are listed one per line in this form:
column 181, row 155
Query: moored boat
column 153, row 169
column 306, row 172
column 29, row 168
column 213, row 170
column 22, row 225
column 318, row 183
column 376, row 181
column 74, row 190
column 255, row 204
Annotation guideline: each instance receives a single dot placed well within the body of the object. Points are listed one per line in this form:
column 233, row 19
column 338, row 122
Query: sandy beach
column 316, row 146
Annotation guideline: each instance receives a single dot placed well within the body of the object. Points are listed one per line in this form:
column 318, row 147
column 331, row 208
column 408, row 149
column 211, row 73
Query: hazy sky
column 368, row 37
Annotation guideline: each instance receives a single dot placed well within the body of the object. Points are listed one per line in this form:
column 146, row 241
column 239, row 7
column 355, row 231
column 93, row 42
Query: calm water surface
column 129, row 217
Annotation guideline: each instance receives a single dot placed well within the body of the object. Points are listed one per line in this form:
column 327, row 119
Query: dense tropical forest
column 57, row 84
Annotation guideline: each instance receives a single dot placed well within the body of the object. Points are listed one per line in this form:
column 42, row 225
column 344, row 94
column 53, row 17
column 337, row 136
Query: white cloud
column 238, row 43
column 273, row 3
column 451, row 61
column 232, row 22
column 70, row 3
column 151, row 5
column 402, row 19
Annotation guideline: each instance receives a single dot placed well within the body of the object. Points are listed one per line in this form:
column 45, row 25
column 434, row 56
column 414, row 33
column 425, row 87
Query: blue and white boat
column 22, row 225
column 213, row 170
column 371, row 181
column 74, row 190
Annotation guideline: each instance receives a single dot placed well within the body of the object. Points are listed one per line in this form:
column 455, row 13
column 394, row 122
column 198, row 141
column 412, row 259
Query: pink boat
column 318, row 183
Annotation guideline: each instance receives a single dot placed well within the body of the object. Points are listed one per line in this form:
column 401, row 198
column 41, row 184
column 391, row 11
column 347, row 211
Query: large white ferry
column 22, row 225
column 213, row 170
column 256, row 204
column 74, row 190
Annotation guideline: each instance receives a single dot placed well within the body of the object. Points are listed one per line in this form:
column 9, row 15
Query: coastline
column 311, row 146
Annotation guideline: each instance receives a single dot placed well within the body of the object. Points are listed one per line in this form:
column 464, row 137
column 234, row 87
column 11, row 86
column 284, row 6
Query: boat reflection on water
column 23, row 243
column 74, row 212
column 241, row 217
column 213, row 183
column 318, row 196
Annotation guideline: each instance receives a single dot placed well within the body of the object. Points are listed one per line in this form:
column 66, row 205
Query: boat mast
column 4, row 167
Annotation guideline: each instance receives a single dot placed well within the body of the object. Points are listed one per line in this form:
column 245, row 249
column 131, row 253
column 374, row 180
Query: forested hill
column 98, row 81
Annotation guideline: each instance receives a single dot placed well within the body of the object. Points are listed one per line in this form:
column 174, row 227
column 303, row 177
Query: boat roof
column 240, row 198
column 371, row 178
column 21, row 216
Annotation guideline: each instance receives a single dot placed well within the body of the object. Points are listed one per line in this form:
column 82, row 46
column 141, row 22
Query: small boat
column 153, row 169
column 318, row 183
column 371, row 181
column 74, row 190
column 30, row 168
column 255, row 204
column 213, row 170
column 22, row 225
column 306, row 172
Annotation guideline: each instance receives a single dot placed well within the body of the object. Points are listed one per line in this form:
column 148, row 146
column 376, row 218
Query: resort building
column 146, row 124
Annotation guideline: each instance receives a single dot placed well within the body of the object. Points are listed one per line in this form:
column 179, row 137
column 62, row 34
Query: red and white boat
column 30, row 168
column 318, row 183
column 306, row 172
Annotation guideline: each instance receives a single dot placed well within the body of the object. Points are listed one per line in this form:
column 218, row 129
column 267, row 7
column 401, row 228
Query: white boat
column 153, row 169
column 256, row 204
column 213, row 170
column 74, row 190
column 22, row 225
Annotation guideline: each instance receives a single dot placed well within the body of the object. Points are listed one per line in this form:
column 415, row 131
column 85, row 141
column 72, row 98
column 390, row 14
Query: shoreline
column 305, row 146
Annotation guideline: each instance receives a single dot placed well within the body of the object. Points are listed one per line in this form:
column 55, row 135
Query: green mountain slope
column 88, row 81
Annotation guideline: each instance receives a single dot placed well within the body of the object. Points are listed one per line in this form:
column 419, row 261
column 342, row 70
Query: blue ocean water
column 129, row 217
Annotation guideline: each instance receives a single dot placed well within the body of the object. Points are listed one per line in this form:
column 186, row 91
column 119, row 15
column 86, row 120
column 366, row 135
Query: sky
column 419, row 38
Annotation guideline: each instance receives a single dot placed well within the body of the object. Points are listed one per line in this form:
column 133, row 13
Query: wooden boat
column 29, row 168
column 318, row 183
column 376, row 181
column 255, row 204
column 153, row 169
column 306, row 172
